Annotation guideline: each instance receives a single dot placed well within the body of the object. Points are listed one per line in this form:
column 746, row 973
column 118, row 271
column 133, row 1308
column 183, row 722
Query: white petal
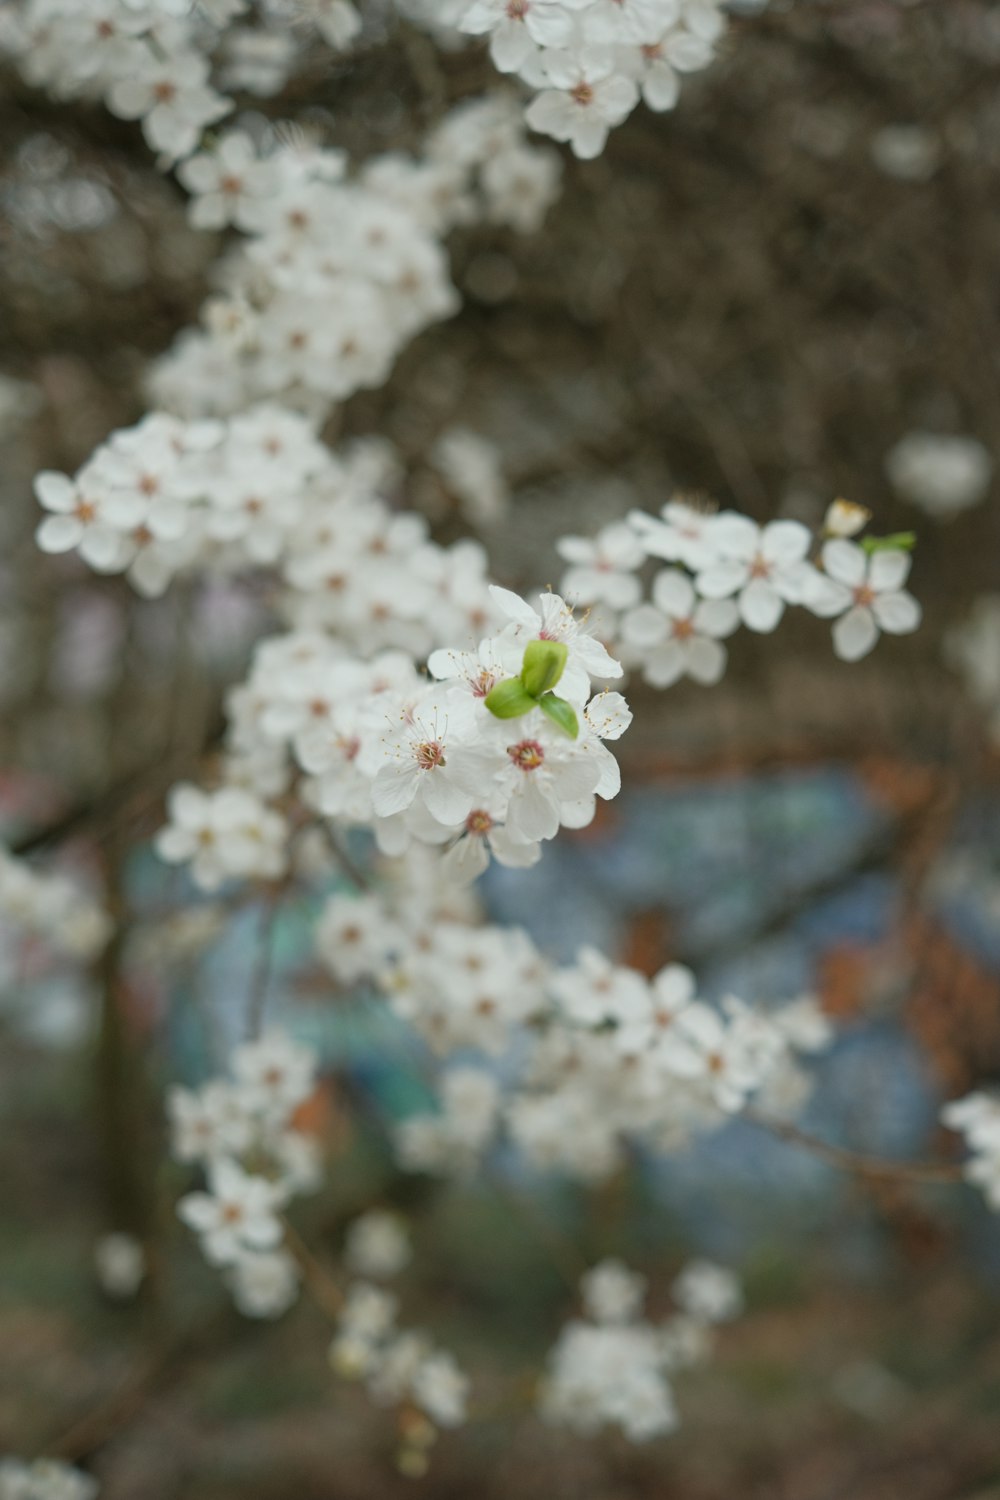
column 443, row 798
column 785, row 541
column 855, row 634
column 59, row 534
column 393, row 789
column 897, row 613
column 467, row 860
column 532, row 814
column 674, row 593
column 723, row 578
column 716, row 617
column 510, row 45
column 734, row 535
column 761, row 606
column 889, row 570
column 514, row 607
column 661, row 86
column 706, row 659
column 55, row 491
column 825, row 597
column 846, row 563
column 664, row 665
column 644, row 626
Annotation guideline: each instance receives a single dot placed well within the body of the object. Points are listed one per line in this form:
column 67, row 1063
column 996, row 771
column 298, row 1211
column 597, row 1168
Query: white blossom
column 866, row 592
column 764, row 567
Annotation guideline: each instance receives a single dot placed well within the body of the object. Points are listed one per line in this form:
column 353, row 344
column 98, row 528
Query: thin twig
column 855, row 1161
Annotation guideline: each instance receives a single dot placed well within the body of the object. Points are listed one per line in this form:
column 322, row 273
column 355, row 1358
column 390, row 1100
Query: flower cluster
column 459, row 985
column 146, row 61
column 170, row 497
column 457, row 722
column 458, row 761
column 614, row 1368
column 44, row 1479
column 52, row 909
column 725, row 570
column 977, row 1116
column 616, row 1056
column 225, row 835
column 592, row 60
column 242, row 1131
column 169, row 63
column 337, row 275
column 399, row 1367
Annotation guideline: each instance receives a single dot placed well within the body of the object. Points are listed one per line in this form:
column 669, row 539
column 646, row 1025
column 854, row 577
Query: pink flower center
column 518, row 9
column 429, row 755
column 582, row 94
column 760, row 567
column 484, row 684
column 479, row 822
column 864, row 595
column 683, row 630
column 528, row 755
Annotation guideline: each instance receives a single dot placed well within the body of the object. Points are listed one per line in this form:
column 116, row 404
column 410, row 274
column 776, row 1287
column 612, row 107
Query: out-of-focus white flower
column 867, row 592
column 470, row 467
column 764, row 567
column 910, row 153
column 229, row 834
column 942, row 474
column 708, row 1292
column 612, row 1293
column 585, row 99
column 377, row 1245
column 44, row 1479
column 679, row 634
column 173, row 98
column 228, row 182
column 120, row 1264
column 264, row 1283
column 237, row 1215
column 603, row 568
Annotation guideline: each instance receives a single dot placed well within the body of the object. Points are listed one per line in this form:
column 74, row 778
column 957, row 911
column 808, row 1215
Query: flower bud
column 845, row 519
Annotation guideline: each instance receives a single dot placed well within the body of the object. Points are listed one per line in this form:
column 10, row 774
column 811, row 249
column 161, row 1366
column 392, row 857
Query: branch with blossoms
column 400, row 703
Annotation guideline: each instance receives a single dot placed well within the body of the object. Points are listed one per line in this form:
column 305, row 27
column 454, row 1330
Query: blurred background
column 783, row 292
